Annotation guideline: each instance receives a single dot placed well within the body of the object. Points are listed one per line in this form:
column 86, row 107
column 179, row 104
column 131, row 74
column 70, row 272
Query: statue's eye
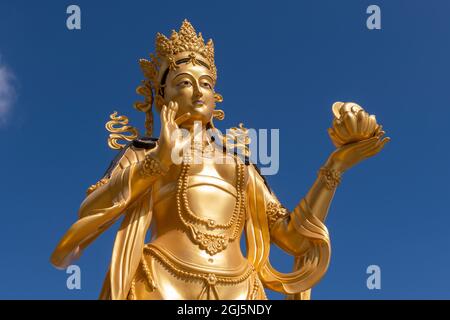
column 184, row 83
column 207, row 85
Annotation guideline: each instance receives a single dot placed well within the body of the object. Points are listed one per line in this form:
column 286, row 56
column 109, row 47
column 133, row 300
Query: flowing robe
column 299, row 232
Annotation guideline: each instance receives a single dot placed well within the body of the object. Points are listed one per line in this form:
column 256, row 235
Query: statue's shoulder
column 133, row 152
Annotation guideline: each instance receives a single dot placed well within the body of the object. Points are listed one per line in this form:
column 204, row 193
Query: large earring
column 218, row 97
column 218, row 114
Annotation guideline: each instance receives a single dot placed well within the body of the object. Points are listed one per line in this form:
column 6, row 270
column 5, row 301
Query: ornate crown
column 183, row 46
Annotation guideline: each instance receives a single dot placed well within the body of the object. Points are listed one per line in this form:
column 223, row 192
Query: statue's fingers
column 169, row 111
column 376, row 148
column 163, row 114
column 384, row 141
column 380, row 134
column 363, row 145
column 368, row 141
column 378, row 130
column 174, row 114
column 170, row 114
column 371, row 150
column 370, row 153
column 175, row 110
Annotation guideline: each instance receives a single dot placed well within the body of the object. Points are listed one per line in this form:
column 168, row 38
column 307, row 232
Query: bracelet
column 152, row 167
column 274, row 212
column 332, row 177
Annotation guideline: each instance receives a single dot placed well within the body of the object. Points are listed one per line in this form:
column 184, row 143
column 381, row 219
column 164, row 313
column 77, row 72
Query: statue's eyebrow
column 192, row 77
column 181, row 74
column 207, row 76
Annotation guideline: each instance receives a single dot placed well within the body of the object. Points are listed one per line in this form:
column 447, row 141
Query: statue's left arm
column 285, row 226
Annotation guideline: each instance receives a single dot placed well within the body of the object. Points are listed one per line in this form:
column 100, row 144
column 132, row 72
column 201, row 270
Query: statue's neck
column 199, row 135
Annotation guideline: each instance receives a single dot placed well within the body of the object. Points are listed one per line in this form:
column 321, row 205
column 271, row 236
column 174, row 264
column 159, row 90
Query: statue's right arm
column 104, row 206
column 128, row 184
column 123, row 189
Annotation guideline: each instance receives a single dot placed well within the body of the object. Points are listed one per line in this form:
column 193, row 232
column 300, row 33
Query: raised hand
column 169, row 139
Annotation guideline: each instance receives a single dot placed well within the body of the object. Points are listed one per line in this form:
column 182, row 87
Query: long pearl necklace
column 212, row 243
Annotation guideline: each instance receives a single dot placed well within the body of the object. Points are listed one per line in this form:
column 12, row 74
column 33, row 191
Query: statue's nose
column 197, row 92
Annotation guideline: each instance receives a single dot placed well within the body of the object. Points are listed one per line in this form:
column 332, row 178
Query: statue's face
column 191, row 86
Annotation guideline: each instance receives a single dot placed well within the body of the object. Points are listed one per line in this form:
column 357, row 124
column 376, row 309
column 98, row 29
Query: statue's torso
column 212, row 192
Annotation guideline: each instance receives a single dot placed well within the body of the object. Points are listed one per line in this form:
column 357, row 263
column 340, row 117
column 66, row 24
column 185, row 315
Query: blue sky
column 281, row 64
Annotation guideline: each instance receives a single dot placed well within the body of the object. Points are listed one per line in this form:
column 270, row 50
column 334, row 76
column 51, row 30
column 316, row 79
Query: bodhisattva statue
column 198, row 210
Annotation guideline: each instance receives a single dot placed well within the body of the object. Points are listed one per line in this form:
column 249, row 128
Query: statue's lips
column 198, row 104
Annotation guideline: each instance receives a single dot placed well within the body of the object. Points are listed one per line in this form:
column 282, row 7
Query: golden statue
column 198, row 210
